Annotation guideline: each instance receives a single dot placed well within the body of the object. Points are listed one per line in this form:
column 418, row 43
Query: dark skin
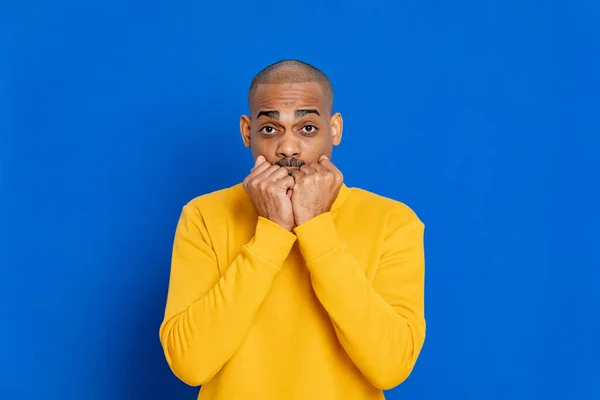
column 291, row 133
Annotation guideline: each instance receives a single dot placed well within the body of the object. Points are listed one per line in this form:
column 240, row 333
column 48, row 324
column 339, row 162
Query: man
column 291, row 285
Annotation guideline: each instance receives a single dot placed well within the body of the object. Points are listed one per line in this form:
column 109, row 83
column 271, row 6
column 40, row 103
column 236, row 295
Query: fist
column 315, row 189
column 267, row 187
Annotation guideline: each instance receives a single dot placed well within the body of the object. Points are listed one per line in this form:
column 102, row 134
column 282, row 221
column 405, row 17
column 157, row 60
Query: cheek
column 316, row 145
column 263, row 147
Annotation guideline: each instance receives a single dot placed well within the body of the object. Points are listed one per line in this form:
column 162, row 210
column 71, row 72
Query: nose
column 288, row 148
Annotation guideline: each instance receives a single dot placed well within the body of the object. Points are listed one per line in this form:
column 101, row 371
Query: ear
column 337, row 126
column 246, row 130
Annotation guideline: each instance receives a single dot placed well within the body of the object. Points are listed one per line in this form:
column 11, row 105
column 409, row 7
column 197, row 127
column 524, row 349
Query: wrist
column 278, row 221
column 287, row 226
column 271, row 242
column 303, row 218
column 317, row 237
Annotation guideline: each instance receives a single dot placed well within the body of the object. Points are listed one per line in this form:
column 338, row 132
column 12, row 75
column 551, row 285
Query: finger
column 319, row 168
column 324, row 161
column 287, row 182
column 297, row 174
column 266, row 173
column 259, row 160
column 278, row 174
column 307, row 169
column 260, row 168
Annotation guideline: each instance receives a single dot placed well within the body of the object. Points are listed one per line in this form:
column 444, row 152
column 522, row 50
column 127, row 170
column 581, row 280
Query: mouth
column 290, row 164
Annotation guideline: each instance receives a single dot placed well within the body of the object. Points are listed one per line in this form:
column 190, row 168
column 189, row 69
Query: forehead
column 288, row 96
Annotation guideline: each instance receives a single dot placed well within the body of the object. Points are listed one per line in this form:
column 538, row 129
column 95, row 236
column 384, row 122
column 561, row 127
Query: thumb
column 259, row 160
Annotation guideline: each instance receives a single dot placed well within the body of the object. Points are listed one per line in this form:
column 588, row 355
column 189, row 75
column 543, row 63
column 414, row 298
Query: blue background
column 482, row 116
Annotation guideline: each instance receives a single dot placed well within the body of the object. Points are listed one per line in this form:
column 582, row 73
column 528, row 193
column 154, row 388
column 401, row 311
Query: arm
column 208, row 315
column 381, row 325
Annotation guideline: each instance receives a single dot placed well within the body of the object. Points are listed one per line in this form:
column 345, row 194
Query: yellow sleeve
column 381, row 325
column 208, row 315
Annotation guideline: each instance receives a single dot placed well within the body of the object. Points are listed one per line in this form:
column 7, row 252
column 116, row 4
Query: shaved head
column 289, row 72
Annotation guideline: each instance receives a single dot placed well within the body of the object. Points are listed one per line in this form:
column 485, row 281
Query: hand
column 267, row 186
column 315, row 189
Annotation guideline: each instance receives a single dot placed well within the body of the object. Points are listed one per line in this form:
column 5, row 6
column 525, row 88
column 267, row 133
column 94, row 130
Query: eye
column 268, row 130
column 310, row 129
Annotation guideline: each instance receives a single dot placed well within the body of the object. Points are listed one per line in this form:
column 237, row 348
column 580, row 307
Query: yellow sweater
column 334, row 310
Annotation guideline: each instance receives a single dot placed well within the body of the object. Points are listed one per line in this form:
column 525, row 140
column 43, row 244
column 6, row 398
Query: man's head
column 291, row 120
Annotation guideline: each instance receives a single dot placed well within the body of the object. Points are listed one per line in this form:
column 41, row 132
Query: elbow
column 189, row 376
column 396, row 366
column 187, row 372
column 390, row 377
column 183, row 360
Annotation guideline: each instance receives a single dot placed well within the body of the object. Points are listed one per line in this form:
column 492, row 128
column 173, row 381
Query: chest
column 292, row 294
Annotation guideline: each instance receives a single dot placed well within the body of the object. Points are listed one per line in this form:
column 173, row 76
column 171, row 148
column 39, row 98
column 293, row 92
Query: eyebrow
column 297, row 114
column 301, row 113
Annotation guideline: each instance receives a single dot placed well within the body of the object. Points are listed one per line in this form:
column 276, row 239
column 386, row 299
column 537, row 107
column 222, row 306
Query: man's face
column 290, row 124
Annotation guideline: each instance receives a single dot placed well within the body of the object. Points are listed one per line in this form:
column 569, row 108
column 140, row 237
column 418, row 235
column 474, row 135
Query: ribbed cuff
column 271, row 241
column 317, row 237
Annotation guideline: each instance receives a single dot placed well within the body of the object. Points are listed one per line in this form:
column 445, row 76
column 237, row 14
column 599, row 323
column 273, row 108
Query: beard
column 290, row 163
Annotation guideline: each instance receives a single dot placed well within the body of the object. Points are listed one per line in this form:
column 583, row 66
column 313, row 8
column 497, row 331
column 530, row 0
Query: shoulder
column 219, row 203
column 395, row 212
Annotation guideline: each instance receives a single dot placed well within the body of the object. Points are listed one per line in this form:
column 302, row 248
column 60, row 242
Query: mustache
column 290, row 163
